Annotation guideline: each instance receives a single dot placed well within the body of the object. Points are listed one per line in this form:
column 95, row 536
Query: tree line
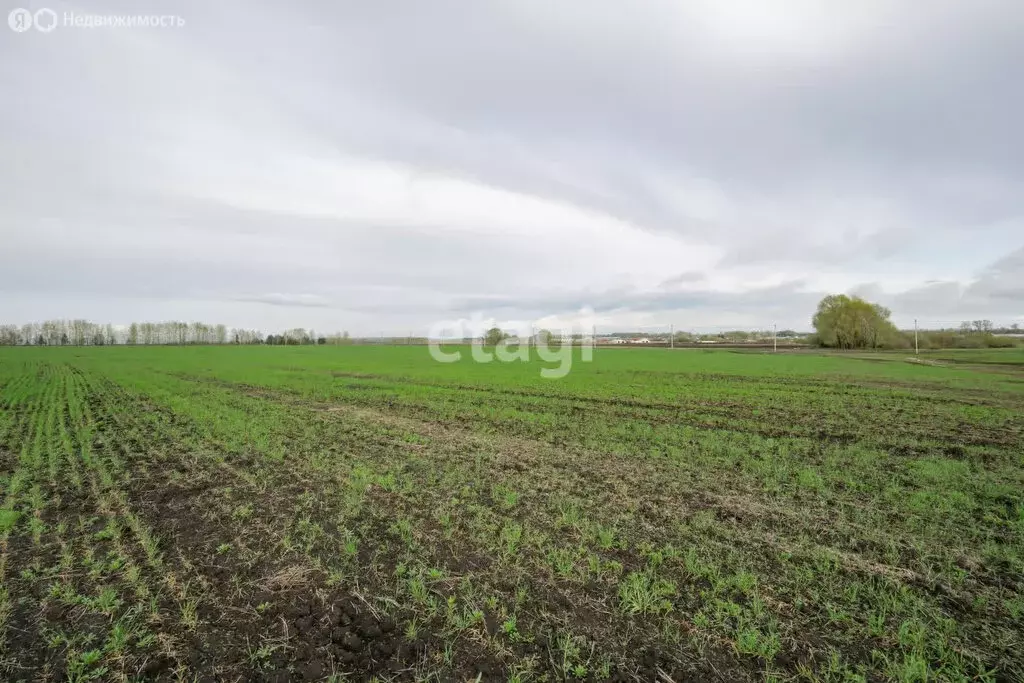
column 845, row 322
column 85, row 333
column 841, row 321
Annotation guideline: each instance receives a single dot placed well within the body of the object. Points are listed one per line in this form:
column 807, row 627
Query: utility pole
column 671, row 336
column 775, row 338
column 917, row 349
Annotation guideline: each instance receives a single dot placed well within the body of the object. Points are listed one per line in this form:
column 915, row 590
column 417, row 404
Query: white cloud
column 376, row 170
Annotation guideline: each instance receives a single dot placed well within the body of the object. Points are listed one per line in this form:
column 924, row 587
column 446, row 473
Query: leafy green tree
column 494, row 336
column 846, row 322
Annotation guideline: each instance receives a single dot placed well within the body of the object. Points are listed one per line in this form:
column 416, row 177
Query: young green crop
column 705, row 514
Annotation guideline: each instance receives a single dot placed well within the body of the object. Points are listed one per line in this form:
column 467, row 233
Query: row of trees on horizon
column 85, row 333
column 846, row 322
column 840, row 321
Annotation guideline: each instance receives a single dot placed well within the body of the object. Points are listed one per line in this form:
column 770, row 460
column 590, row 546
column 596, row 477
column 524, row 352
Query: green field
column 344, row 513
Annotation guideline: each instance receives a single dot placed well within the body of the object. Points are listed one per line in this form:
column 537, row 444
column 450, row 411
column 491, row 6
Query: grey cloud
column 279, row 299
column 761, row 301
column 997, row 292
column 642, row 96
column 863, row 144
column 1003, row 280
column 683, row 278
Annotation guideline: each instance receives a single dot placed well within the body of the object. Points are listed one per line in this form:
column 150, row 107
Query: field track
column 279, row 514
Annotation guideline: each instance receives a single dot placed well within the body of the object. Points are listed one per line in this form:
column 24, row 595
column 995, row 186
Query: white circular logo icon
column 45, row 20
column 20, row 20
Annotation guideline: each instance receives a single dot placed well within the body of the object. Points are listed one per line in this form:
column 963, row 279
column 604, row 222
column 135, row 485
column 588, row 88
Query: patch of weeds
column 190, row 614
column 8, row 518
column 85, row 666
column 511, row 536
column 242, row 512
column 563, row 561
column 644, row 593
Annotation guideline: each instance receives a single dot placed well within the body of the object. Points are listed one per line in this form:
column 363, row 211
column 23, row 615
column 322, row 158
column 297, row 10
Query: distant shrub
column 994, row 341
column 952, row 339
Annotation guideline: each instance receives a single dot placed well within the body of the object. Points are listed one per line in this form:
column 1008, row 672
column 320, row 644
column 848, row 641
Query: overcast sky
column 379, row 166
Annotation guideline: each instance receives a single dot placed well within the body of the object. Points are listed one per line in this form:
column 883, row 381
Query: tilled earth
column 163, row 526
